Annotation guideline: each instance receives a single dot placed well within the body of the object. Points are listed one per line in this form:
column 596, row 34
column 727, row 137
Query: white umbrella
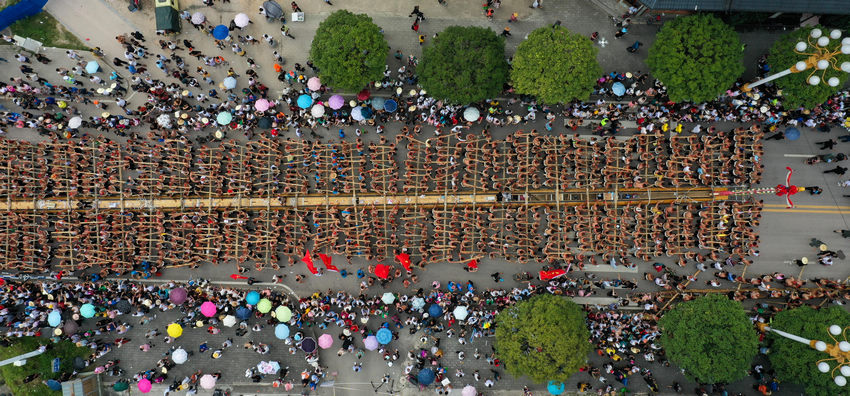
column 357, row 113
column 460, row 312
column 471, row 114
column 229, row 321
column 164, row 120
column 241, row 20
column 388, row 298
column 207, row 381
column 229, row 83
column 179, row 356
column 198, row 18
column 417, row 303
column 468, row 390
column 75, row 122
column 317, row 110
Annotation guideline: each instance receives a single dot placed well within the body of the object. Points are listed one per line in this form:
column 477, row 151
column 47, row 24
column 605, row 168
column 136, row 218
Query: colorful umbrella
column 281, row 331
column 144, row 385
column 388, row 298
column 314, row 84
column 92, row 67
column 198, row 18
column 207, row 381
column 261, row 105
column 435, row 311
column 308, row 345
column 460, row 312
column 357, row 113
column 468, row 390
column 224, row 118
column 283, row 313
column 390, row 106
column 264, row 306
column 325, row 341
column 123, row 306
column 417, row 303
column 243, row 313
column 241, row 20
column 174, row 330
column 221, row 32
column 304, row 101
column 228, row 321
column 382, row 270
column 70, row 327
column 371, row 343
column 208, row 309
column 336, row 102
column 471, row 114
column 87, row 310
column 425, row 377
column 317, row 110
column 229, row 82
column 384, row 336
column 179, row 356
column 252, row 298
column 792, row 134
column 178, row 295
column 364, row 94
column 378, row 103
column 75, row 122
column 555, row 388
column 120, row 386
column 54, row 318
column 618, row 88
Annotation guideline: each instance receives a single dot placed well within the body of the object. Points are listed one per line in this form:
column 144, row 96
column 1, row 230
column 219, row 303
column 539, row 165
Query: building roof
column 791, row 6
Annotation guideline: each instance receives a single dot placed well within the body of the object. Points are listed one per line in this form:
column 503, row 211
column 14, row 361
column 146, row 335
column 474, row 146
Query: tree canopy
column 796, row 91
column 464, row 64
column 697, row 57
column 555, row 65
column 349, row 50
column 545, row 338
column 42, row 364
column 711, row 338
column 796, row 362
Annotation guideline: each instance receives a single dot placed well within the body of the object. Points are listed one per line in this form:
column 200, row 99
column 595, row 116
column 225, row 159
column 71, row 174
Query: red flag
column 308, row 259
column 382, row 271
column 404, row 258
column 547, row 275
column 473, row 264
column 237, row 277
column 327, row 260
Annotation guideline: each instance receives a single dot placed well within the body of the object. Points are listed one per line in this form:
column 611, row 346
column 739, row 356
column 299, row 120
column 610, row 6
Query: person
column 814, row 190
column 622, row 32
column 506, row 32
column 844, row 233
column 634, row 47
column 514, row 17
column 421, row 40
column 827, row 145
column 837, row 170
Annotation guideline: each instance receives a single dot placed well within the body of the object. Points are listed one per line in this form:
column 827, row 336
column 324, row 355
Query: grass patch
column 41, row 364
column 44, row 28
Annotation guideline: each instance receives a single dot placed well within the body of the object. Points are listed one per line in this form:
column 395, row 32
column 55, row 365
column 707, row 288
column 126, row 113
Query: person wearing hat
column 506, row 32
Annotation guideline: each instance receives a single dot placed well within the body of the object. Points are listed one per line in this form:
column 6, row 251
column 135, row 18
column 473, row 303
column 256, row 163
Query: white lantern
column 800, row 66
column 835, row 330
column 844, row 346
column 845, row 66
column 823, row 64
column 840, row 380
column 835, row 34
column 845, row 41
column 833, row 82
column 819, row 345
column 845, row 49
column 801, row 46
column 823, row 41
column 816, row 33
column 845, row 371
column 823, row 367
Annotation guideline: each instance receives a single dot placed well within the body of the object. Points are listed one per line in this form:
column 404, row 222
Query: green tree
column 795, row 89
column 711, row 338
column 555, row 65
column 464, row 64
column 349, row 50
column 697, row 57
column 796, row 362
column 42, row 364
column 545, row 338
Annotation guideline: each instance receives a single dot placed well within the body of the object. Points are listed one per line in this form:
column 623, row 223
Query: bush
column 349, row 50
column 42, row 364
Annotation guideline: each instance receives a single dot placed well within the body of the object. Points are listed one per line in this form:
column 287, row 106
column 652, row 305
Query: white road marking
column 799, row 155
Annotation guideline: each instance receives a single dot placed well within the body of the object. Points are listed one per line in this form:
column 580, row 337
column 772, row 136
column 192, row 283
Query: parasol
column 207, row 381
column 471, row 114
column 317, row 110
column 208, row 309
column 92, row 67
column 417, row 303
column 273, row 9
column 314, row 84
column 460, row 312
column 371, row 343
column 221, row 32
column 384, row 336
column 124, row 306
column 265, row 123
column 243, row 313
column 264, row 306
column 229, row 321
column 229, row 83
column 177, row 295
column 198, row 18
column 87, row 310
column 304, row 101
column 283, row 313
column 261, row 105
column 174, row 330
column 281, row 331
column 435, row 311
column 425, row 377
column 308, row 345
column 555, row 388
column 120, row 386
column 390, row 106
column 336, row 102
column 252, row 298
column 325, row 341
column 357, row 113
column 241, row 20
column 224, row 118
column 70, row 327
column 144, row 385
column 618, row 88
column 179, row 356
column 388, row 298
column 75, row 122
column 54, row 318
column 468, row 390
column 378, row 103
column 164, row 121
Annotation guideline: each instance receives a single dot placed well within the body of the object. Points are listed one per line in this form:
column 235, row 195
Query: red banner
column 547, row 275
column 327, row 260
column 404, row 258
column 308, row 259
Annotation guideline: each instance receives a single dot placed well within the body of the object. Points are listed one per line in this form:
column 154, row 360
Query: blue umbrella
column 308, row 345
column 378, row 103
column 304, row 101
column 618, row 88
column 390, row 106
column 425, row 377
column 92, row 67
column 54, row 318
column 555, row 388
column 367, row 113
column 792, row 134
column 221, row 32
column 53, row 385
column 87, row 310
column 243, row 313
column 435, row 311
column 384, row 336
column 252, row 298
column 281, row 331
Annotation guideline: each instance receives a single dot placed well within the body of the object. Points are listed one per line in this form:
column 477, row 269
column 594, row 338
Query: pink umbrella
column 144, row 386
column 207, row 381
column 371, row 343
column 468, row 390
column 314, row 83
column 208, row 309
column 261, row 105
column 325, row 341
column 336, row 102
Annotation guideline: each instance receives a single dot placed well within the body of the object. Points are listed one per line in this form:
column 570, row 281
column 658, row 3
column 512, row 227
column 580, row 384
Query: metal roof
column 792, row 6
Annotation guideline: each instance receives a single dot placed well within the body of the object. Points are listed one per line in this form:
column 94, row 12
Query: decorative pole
column 839, row 351
column 820, row 57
